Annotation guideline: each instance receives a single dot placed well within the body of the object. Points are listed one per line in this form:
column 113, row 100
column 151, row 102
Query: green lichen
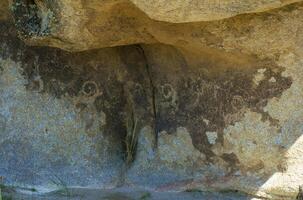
column 145, row 196
column 2, row 187
column 4, row 196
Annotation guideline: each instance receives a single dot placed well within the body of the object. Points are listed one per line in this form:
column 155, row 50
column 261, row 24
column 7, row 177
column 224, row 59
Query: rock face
column 83, row 25
column 4, row 10
column 204, row 10
column 213, row 105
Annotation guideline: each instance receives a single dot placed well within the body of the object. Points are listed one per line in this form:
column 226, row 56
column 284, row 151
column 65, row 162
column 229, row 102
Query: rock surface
column 126, row 194
column 4, row 10
column 204, row 10
column 82, row 25
column 212, row 105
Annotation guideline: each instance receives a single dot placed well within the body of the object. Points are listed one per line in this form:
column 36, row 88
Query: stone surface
column 45, row 139
column 204, row 10
column 126, row 194
column 217, row 105
column 4, row 10
column 83, row 25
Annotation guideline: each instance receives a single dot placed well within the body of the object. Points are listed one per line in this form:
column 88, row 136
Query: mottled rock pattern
column 218, row 104
column 83, row 25
column 204, row 10
column 4, row 10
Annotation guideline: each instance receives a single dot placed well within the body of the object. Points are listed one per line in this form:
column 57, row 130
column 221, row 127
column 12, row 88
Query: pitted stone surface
column 217, row 104
column 204, row 10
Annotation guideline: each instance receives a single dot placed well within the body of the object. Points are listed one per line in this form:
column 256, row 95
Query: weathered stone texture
column 217, row 104
column 204, row 10
column 83, row 25
column 4, row 10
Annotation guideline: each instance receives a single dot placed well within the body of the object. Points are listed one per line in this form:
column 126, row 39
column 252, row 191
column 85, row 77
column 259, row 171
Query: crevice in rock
column 131, row 129
column 153, row 93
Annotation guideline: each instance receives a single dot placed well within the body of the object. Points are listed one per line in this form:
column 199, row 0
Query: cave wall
column 216, row 105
